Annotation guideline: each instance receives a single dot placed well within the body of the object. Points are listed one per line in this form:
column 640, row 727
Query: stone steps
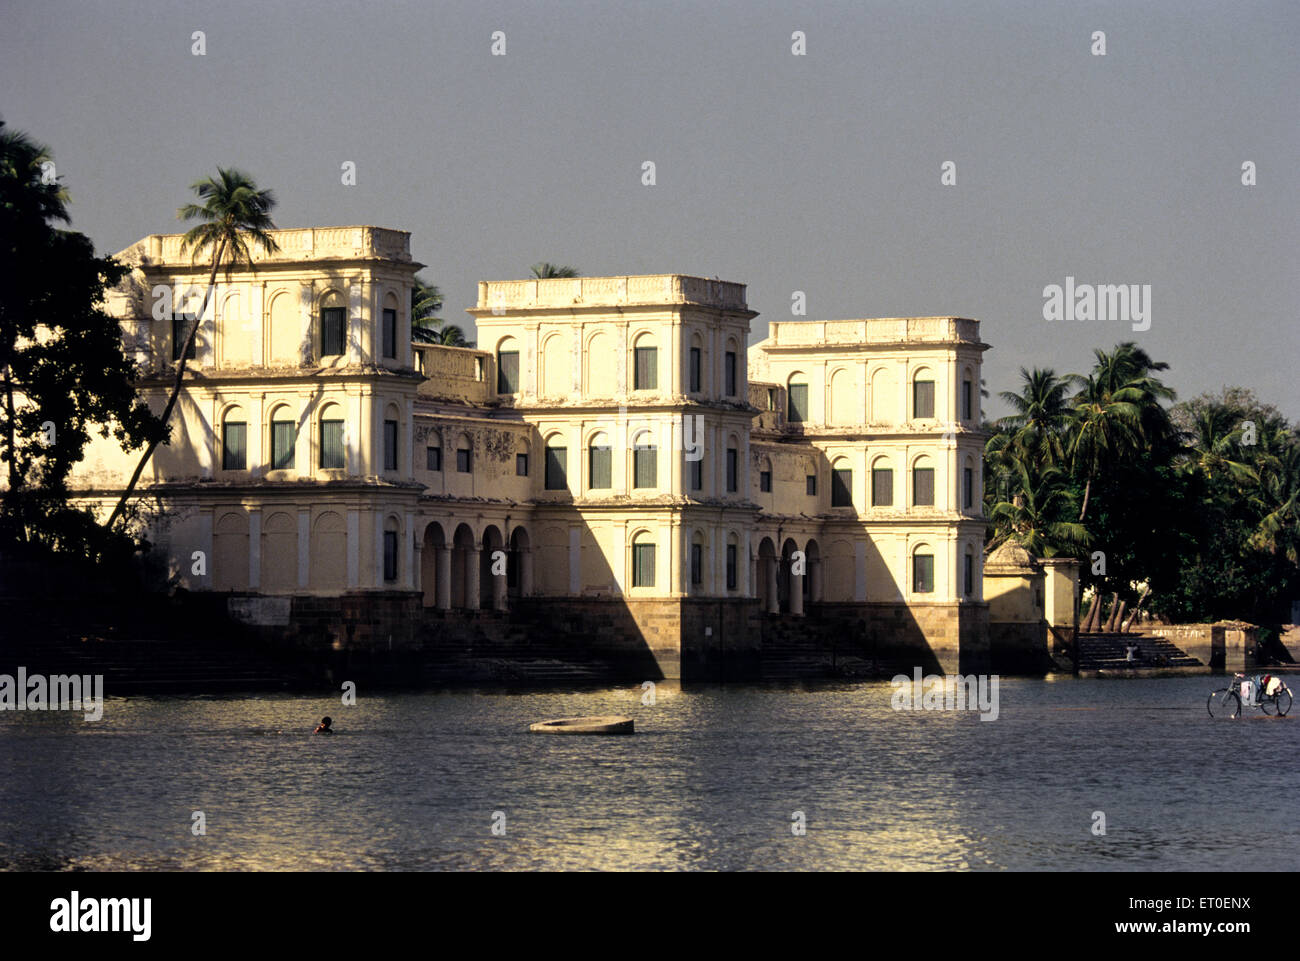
column 1108, row 652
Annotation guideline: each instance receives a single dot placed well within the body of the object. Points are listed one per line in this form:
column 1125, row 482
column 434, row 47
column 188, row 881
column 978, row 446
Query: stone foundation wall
column 1020, row 648
column 1230, row 646
column 721, row 639
column 938, row 638
column 369, row 621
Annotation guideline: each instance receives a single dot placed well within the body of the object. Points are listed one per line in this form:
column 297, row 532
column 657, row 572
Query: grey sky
column 818, row 173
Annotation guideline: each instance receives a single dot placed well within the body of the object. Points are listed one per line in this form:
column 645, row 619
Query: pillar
column 472, row 561
column 525, row 573
column 499, row 591
column 442, row 579
column 773, row 600
column 796, row 593
column 815, row 580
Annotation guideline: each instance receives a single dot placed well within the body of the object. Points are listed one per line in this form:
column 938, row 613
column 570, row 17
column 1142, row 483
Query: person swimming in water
column 324, row 726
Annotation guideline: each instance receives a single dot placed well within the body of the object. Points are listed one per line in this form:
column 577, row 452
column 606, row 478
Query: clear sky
column 817, row 173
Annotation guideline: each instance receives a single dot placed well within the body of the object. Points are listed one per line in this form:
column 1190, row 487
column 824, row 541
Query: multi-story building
column 611, row 457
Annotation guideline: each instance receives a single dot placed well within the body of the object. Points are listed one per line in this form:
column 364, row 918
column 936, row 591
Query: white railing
column 610, row 291
column 307, row 243
column 878, row 330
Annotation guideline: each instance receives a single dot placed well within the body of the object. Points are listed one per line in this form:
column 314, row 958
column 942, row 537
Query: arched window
column 968, row 485
column 284, row 438
column 392, row 424
column 234, row 440
column 600, row 465
column 645, row 375
column 733, row 464
column 841, row 483
column 733, row 559
column 730, row 369
column 882, row 483
column 968, row 573
column 333, row 455
column 695, row 365
column 508, row 366
column 923, row 394
column 697, row 559
column 645, row 461
column 967, row 394
column 923, row 570
column 333, row 324
column 521, row 458
column 464, row 455
column 390, row 549
column 388, row 334
column 765, row 475
column 797, row 403
column 922, row 482
column 557, row 463
column 643, row 560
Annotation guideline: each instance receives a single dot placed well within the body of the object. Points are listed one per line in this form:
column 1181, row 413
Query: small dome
column 1011, row 558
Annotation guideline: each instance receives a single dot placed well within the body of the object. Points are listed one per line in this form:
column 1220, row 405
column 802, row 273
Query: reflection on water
column 711, row 781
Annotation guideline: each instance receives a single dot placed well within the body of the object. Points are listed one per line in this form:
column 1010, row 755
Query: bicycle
column 1251, row 692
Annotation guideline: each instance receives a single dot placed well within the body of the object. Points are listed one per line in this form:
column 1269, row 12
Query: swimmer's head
column 325, row 722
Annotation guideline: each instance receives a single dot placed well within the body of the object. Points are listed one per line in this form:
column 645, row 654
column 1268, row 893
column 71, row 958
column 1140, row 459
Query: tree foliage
column 63, row 372
column 1198, row 500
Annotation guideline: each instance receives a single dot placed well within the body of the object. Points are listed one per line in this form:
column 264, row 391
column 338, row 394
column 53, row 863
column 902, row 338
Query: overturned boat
column 598, row 724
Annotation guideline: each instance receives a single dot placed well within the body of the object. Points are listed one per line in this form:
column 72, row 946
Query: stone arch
column 843, row 397
column 492, row 586
column 230, row 551
column 766, row 587
column 602, row 376
column 812, row 582
column 234, row 330
column 519, row 572
column 464, row 569
column 435, row 567
column 557, row 366
column 284, row 345
column 279, row 553
column 329, row 551
column 884, row 397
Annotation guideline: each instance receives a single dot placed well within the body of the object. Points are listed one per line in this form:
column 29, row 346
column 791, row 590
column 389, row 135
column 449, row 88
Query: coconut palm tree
column 233, row 211
column 1215, row 441
column 1107, row 427
column 1042, row 415
column 1278, row 494
column 426, row 300
column 545, row 271
column 1034, row 516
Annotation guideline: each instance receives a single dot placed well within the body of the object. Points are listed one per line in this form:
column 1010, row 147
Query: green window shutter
column 645, row 461
column 923, row 487
column 601, row 469
column 332, row 326
column 234, row 446
column 841, row 487
column 508, row 372
column 331, row 445
column 284, row 436
column 557, row 468
column 798, row 412
column 390, row 332
column 923, row 398
column 882, row 487
column 643, row 565
column 923, row 573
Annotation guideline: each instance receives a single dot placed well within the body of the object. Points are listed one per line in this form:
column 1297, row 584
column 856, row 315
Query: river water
column 711, row 781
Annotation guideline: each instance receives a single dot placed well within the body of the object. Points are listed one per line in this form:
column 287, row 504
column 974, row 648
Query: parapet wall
column 1229, row 646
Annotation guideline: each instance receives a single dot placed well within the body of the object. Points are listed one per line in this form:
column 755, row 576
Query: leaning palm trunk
column 175, row 394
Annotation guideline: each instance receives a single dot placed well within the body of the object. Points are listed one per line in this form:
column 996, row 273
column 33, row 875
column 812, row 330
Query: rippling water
column 710, row 781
